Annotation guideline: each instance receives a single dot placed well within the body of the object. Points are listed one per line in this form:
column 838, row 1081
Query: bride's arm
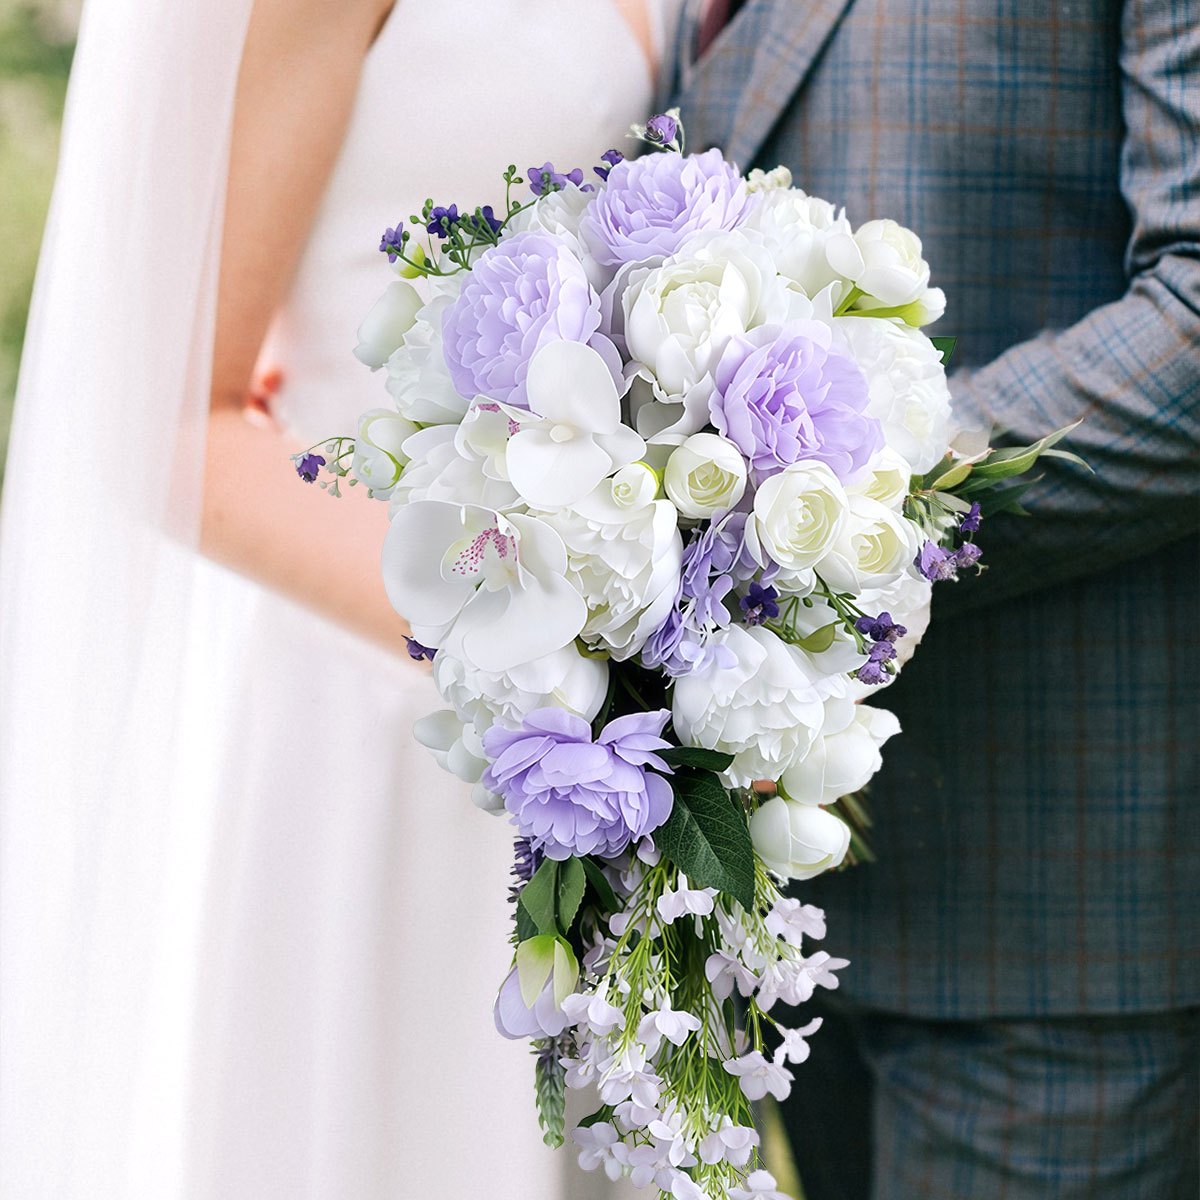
column 296, row 88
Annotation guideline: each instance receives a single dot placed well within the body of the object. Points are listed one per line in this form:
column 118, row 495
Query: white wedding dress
column 298, row 1004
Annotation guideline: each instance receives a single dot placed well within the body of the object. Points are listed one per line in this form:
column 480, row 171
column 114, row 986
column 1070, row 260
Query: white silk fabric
column 249, row 933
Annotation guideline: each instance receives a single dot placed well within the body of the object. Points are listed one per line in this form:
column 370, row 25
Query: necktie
column 714, row 16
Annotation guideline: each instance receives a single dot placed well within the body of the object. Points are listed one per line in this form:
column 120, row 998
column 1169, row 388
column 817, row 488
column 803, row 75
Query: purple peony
column 785, row 396
column 652, row 204
column 571, row 795
column 519, row 295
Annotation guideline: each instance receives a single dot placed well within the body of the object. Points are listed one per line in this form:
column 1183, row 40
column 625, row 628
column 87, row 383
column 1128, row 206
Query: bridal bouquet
column 667, row 457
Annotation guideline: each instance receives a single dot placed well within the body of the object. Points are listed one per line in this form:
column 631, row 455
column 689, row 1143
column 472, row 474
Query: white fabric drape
column 97, row 580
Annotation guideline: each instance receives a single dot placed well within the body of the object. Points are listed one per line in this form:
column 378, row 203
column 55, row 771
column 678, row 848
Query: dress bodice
column 452, row 91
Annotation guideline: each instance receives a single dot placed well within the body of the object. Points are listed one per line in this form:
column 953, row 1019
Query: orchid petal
column 570, row 384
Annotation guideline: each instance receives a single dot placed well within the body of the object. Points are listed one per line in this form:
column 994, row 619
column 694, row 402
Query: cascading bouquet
column 669, row 471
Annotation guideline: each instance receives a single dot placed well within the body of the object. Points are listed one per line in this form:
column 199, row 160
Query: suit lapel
column 755, row 67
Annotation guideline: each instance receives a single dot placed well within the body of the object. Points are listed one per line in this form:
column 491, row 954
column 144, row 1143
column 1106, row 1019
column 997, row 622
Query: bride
column 250, row 933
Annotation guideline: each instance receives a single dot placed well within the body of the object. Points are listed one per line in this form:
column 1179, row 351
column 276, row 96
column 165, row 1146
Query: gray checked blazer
column 1038, row 821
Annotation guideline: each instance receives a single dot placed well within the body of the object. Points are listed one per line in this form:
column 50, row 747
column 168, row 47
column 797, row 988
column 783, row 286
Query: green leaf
column 601, row 886
column 694, row 756
column 572, row 883
column 954, row 476
column 1016, row 460
column 535, row 961
column 604, row 1113
column 945, row 347
column 707, row 838
column 526, row 926
column 538, row 897
column 820, row 639
column 566, row 971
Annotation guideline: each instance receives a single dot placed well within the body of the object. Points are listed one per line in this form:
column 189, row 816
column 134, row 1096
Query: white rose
column 379, row 455
column 634, row 486
column 798, row 515
column 385, row 325
column 884, row 261
column 886, row 479
column 679, row 316
column 705, row 476
column 417, row 375
column 873, row 548
column 798, row 841
column 907, row 386
column 624, row 559
column 844, row 758
column 797, row 229
column 766, row 710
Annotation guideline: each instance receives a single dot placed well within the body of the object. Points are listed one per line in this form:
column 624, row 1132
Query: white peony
column 417, row 377
column 679, row 316
column 456, row 748
column 624, row 555
column 907, row 385
column 766, row 710
column 874, row 547
column 846, row 755
column 798, row 516
column 384, row 327
column 798, row 841
column 705, row 476
column 797, row 229
column 559, row 213
column 379, row 455
column 885, row 262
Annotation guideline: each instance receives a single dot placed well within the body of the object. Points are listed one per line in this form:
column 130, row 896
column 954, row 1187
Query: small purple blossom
column 392, row 242
column 546, row 179
column 881, row 628
column 872, row 673
column 937, row 564
column 973, row 519
column 784, row 394
column 967, row 555
column 417, row 652
column 611, row 157
column 571, row 795
column 759, row 603
column 652, row 205
column 442, row 220
column 490, row 219
column 881, row 652
column 662, row 129
column 308, row 467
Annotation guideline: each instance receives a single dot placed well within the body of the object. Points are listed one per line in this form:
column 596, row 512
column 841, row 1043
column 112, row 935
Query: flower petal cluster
column 571, row 795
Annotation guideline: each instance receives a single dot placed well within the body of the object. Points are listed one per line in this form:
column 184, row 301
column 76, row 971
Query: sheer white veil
column 98, row 573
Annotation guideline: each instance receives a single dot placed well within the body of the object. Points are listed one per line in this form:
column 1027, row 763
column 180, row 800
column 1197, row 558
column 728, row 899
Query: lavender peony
column 785, row 395
column 653, row 204
column 520, row 295
column 571, row 795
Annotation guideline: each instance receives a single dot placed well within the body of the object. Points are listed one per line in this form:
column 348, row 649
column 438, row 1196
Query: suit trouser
column 1090, row 1108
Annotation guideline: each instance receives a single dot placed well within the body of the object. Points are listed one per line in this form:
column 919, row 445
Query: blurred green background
column 37, row 38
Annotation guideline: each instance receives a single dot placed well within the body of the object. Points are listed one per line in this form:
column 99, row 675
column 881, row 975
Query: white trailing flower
column 623, row 558
column 705, row 476
column 766, row 710
column 906, row 382
column 379, row 455
column 798, row 841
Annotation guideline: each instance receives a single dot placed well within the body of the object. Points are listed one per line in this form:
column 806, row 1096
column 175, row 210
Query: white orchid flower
column 490, row 587
column 572, row 436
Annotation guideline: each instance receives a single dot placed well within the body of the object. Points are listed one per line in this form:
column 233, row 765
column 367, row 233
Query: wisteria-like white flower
column 597, row 1143
column 793, row 1048
column 495, row 584
column 572, row 435
column 675, row 902
column 728, row 1143
column 594, row 1010
column 666, row 1022
column 793, row 921
column 821, row 967
column 757, row 1075
column 724, row 972
column 760, row 1185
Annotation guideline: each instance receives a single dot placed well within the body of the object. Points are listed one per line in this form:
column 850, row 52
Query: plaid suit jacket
column 1038, row 821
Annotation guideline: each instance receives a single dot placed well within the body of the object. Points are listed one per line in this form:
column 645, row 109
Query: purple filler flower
column 442, row 219
column 611, row 157
column 417, row 652
column 783, row 395
column 308, row 467
column 545, row 179
column 973, row 519
column 662, row 129
column 881, row 628
column 936, row 564
column 392, row 242
column 759, row 604
column 653, row 204
column 571, row 795
column 519, row 295
column 967, row 555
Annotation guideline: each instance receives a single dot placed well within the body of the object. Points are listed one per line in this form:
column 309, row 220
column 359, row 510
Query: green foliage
column 549, row 903
column 706, row 836
column 600, row 885
column 945, row 347
column 550, row 1086
column 694, row 756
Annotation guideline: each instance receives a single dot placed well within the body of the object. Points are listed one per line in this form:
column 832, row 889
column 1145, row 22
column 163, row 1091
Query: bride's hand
column 296, row 89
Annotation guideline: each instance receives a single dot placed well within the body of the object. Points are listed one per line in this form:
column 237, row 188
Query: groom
column 1020, row 1015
